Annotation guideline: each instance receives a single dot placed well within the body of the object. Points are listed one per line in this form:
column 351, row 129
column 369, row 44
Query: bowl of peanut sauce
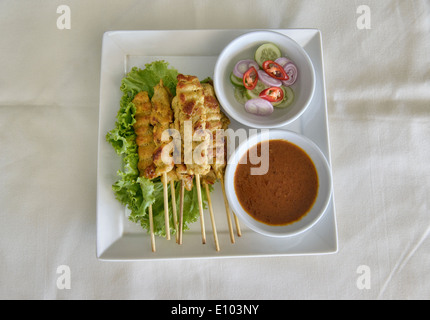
column 278, row 183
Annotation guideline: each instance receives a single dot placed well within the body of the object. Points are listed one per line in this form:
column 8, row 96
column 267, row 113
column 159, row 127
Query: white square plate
column 195, row 52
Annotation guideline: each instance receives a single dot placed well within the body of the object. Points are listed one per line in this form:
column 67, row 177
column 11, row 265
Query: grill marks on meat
column 188, row 105
column 161, row 120
column 195, row 102
column 216, row 122
column 153, row 116
column 143, row 129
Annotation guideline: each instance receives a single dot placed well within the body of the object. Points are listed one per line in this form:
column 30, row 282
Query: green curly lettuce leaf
column 134, row 192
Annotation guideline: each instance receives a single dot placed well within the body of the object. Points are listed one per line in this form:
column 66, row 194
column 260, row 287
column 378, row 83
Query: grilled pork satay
column 161, row 119
column 217, row 122
column 143, row 129
column 222, row 148
column 214, row 124
column 145, row 143
column 184, row 176
column 180, row 117
column 188, row 105
column 189, row 102
column 180, row 168
column 210, row 178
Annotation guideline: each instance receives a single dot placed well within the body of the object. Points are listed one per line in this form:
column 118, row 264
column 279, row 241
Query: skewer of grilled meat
column 180, row 168
column 217, row 122
column 216, row 151
column 145, row 143
column 188, row 105
column 161, row 119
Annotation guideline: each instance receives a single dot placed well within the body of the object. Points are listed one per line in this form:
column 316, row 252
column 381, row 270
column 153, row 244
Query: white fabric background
column 378, row 91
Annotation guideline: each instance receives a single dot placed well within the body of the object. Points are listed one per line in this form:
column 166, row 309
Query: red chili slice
column 272, row 94
column 275, row 70
column 250, row 78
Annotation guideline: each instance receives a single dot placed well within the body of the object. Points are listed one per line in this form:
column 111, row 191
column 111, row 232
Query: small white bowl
column 324, row 180
column 244, row 47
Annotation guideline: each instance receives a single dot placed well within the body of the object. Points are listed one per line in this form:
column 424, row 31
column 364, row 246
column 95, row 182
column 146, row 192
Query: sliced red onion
column 259, row 107
column 268, row 80
column 282, row 61
column 242, row 66
column 292, row 72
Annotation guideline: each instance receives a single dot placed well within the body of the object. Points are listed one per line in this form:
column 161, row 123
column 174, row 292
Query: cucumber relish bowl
column 245, row 47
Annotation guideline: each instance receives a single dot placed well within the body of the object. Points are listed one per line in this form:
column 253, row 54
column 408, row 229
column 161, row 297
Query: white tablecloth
column 378, row 91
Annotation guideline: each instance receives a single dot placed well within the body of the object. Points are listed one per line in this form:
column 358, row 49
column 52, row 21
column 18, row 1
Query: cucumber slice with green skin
column 255, row 93
column 238, row 82
column 239, row 94
column 288, row 98
column 267, row 51
column 251, row 95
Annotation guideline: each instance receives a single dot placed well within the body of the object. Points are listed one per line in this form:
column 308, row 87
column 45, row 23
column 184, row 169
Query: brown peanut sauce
column 286, row 192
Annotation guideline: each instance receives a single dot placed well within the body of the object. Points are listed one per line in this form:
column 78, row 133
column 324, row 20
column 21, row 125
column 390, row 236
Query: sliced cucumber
column 288, row 98
column 239, row 94
column 251, row 94
column 238, row 82
column 255, row 93
column 267, row 51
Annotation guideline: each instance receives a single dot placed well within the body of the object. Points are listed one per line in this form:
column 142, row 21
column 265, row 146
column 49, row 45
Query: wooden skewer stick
column 236, row 220
column 227, row 210
column 199, row 197
column 175, row 217
column 166, row 206
column 181, row 211
column 212, row 217
column 151, row 228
